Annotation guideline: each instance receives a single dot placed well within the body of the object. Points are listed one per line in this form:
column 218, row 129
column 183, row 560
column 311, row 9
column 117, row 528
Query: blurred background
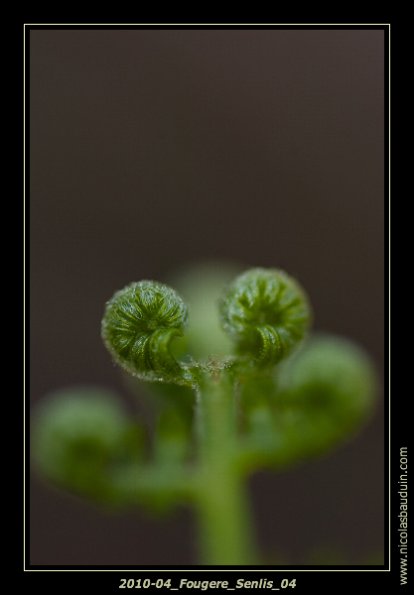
column 156, row 149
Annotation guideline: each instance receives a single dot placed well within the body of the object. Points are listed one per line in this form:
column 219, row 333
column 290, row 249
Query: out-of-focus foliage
column 238, row 386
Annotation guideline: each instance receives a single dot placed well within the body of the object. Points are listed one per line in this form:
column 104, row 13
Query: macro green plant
column 259, row 392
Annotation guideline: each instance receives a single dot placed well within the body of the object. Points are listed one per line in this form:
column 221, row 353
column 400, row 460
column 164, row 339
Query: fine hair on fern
column 264, row 393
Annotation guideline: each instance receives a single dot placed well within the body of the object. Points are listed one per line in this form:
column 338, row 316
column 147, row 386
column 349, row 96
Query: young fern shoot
column 277, row 398
column 140, row 322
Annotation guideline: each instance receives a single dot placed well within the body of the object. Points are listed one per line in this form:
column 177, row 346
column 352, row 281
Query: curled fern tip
column 138, row 326
column 266, row 313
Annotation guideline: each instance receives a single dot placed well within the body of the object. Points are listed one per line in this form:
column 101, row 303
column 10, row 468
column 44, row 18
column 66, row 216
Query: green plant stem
column 223, row 508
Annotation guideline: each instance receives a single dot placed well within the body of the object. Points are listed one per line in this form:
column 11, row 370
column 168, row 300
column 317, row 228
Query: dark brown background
column 153, row 149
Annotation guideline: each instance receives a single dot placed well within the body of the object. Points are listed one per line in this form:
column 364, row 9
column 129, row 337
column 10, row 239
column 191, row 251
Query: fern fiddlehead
column 266, row 313
column 279, row 398
column 139, row 323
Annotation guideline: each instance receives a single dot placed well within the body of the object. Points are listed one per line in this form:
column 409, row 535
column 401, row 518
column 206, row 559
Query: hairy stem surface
column 223, row 508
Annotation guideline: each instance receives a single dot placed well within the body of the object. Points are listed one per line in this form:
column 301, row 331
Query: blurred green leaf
column 79, row 435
